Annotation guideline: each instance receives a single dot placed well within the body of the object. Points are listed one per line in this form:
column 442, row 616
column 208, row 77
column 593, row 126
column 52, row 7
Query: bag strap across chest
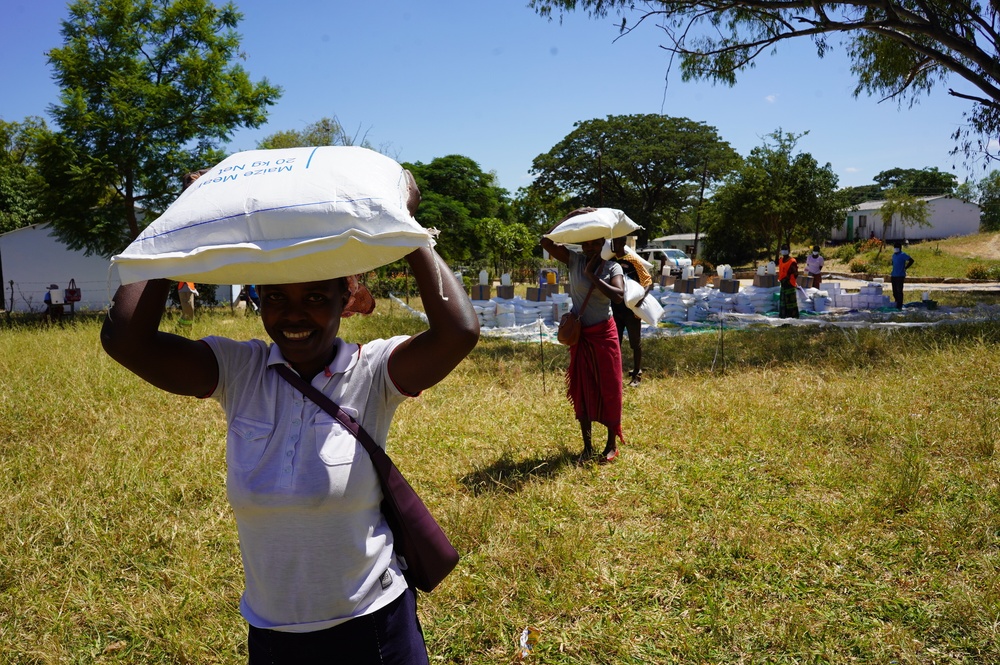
column 590, row 291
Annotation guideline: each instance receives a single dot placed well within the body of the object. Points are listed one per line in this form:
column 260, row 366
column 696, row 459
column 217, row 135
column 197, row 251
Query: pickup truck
column 674, row 259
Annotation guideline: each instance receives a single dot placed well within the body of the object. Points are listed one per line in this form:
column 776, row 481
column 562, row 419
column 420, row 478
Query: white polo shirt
column 316, row 549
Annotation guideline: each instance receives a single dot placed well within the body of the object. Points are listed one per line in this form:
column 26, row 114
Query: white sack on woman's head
column 601, row 223
column 279, row 217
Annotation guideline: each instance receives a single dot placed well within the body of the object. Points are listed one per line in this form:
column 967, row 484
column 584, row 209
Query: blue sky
column 492, row 80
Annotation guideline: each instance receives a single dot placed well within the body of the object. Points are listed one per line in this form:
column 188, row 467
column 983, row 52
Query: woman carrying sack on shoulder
column 594, row 376
column 323, row 583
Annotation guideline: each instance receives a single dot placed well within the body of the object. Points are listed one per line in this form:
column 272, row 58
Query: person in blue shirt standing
column 901, row 262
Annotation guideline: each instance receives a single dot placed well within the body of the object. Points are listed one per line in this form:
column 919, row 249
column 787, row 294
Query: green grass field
column 951, row 257
column 820, row 496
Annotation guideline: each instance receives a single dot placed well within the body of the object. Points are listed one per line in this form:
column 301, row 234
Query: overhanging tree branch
column 899, row 48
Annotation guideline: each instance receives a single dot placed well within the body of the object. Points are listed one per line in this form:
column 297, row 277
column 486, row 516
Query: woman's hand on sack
column 591, row 266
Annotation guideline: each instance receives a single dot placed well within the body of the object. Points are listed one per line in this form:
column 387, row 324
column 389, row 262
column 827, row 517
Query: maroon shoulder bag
column 424, row 552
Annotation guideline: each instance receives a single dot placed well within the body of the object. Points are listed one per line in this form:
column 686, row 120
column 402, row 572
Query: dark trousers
column 626, row 321
column 897, row 290
column 390, row 636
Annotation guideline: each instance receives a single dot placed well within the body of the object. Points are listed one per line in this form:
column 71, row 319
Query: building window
column 862, row 221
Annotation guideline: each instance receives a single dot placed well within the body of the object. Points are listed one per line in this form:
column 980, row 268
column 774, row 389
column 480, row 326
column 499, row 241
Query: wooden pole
column 541, row 352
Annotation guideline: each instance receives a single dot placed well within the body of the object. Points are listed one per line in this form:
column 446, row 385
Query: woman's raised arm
column 428, row 357
column 132, row 337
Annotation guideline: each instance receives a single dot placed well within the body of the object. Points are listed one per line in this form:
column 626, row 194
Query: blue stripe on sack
column 243, row 214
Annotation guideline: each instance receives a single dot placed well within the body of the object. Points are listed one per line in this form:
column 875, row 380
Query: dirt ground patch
column 981, row 246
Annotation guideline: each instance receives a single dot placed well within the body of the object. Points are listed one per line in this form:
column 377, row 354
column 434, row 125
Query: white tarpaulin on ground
column 280, row 216
column 915, row 318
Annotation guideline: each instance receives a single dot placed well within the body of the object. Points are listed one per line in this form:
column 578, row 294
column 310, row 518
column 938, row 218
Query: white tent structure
column 31, row 259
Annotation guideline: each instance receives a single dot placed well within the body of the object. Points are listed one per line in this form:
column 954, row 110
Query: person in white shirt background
column 814, row 266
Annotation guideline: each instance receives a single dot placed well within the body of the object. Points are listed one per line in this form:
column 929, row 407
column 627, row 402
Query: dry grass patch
column 818, row 496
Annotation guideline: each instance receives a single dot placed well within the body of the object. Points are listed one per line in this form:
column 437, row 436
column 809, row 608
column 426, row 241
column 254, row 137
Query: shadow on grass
column 507, row 475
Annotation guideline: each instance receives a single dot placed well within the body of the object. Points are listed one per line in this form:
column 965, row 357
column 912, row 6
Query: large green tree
column 899, row 49
column 507, row 244
column 988, row 198
column 150, row 90
column 907, row 208
column 650, row 166
column 927, row 181
column 20, row 183
column 775, row 196
column 536, row 212
column 457, row 195
column 862, row 193
column 325, row 131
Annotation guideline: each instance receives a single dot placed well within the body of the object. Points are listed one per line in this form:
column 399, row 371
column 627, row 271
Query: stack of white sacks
column 675, row 305
column 742, row 303
column 486, row 311
column 760, row 298
column 702, row 305
column 506, row 316
column 510, row 312
column 529, row 311
column 711, row 302
column 869, row 296
column 698, row 310
column 820, row 299
column 717, row 302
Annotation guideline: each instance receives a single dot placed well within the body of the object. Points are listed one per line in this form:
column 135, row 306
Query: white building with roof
column 31, row 259
column 947, row 217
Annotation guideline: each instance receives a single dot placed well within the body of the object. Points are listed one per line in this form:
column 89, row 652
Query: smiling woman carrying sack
column 594, row 377
column 324, row 579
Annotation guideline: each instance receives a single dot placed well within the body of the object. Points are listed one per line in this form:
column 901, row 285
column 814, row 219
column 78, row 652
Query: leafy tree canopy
column 862, row 193
column 507, row 244
column 910, row 210
column 775, row 196
column 456, row 196
column 325, row 131
column 150, row 90
column 928, row 181
column 20, row 182
column 650, row 166
column 988, row 195
column 899, row 49
column 918, row 182
column 536, row 212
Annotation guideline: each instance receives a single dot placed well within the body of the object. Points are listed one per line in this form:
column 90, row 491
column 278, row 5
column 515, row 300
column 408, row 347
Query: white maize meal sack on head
column 279, row 217
column 601, row 223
